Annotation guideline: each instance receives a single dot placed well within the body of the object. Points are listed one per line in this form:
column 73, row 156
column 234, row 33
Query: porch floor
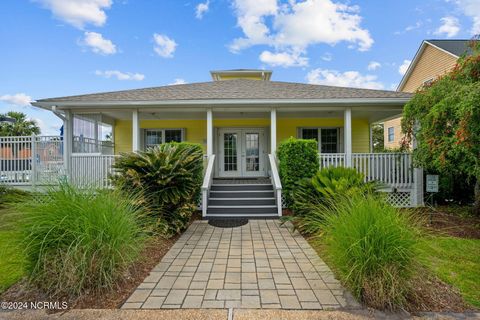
column 258, row 265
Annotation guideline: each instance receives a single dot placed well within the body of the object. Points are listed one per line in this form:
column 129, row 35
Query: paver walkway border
column 259, row 265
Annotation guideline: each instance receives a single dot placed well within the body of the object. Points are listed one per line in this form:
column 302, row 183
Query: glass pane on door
column 230, row 157
column 252, row 151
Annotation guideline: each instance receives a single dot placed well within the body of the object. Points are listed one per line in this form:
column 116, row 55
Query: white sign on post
column 432, row 182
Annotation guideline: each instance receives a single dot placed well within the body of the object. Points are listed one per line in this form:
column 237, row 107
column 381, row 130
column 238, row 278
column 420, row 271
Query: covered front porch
column 239, row 142
column 242, row 137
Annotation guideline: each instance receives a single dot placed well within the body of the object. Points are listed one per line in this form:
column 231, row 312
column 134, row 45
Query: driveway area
column 258, row 265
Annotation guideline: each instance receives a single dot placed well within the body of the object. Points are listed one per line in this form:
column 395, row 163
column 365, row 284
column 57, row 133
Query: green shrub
column 80, row 240
column 327, row 183
column 373, row 247
column 298, row 159
column 168, row 178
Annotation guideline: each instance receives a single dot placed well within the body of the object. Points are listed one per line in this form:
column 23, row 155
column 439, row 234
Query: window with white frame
column 391, row 134
column 328, row 138
column 427, row 82
column 154, row 137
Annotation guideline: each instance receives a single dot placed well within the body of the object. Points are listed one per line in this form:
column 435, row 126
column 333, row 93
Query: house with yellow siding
column 433, row 59
column 239, row 118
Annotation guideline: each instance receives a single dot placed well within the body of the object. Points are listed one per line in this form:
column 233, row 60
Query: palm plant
column 22, row 126
column 168, row 177
column 327, row 184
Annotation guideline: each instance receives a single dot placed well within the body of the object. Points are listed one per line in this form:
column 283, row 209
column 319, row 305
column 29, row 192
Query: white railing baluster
column 391, row 169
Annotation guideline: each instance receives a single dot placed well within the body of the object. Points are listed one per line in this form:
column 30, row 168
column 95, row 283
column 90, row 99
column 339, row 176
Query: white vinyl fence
column 31, row 160
column 38, row 161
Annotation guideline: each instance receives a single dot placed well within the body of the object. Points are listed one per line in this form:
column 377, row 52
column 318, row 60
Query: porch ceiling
column 372, row 114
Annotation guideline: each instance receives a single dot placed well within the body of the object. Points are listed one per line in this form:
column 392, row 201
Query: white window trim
column 427, row 81
column 319, row 137
column 393, row 134
column 163, row 134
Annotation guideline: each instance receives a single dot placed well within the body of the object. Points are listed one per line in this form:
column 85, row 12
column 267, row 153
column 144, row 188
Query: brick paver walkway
column 258, row 265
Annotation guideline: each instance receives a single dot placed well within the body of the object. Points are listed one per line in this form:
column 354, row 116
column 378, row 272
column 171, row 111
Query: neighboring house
column 239, row 118
column 434, row 58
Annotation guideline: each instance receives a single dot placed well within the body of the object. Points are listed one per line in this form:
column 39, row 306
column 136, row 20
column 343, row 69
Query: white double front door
column 241, row 152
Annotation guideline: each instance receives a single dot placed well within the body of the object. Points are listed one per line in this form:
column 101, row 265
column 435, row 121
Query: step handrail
column 207, row 183
column 277, row 184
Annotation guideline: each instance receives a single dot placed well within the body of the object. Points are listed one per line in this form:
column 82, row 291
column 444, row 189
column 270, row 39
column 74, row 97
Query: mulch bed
column 433, row 295
column 441, row 221
column 153, row 252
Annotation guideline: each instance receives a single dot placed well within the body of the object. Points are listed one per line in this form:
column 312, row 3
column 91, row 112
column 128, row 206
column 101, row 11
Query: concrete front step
column 241, row 201
column 248, row 210
column 242, row 215
column 241, row 187
column 241, row 194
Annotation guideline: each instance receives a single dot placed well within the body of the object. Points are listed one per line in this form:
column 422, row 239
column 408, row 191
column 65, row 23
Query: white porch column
column 370, row 128
column 95, row 136
column 273, row 131
column 68, row 143
column 417, row 192
column 209, row 132
column 135, row 131
column 348, row 136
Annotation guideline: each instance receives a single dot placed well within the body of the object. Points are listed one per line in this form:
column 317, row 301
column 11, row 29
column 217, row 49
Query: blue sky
column 63, row 47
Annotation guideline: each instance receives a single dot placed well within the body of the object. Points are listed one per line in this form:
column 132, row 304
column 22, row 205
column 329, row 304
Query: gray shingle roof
column 457, row 47
column 233, row 89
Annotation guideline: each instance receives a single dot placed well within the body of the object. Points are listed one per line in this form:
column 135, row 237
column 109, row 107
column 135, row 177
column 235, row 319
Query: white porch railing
column 332, row 160
column 277, row 184
column 392, row 169
column 207, row 183
column 89, row 145
column 92, row 170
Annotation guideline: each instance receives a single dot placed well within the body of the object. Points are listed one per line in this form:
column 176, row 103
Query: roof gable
column 455, row 48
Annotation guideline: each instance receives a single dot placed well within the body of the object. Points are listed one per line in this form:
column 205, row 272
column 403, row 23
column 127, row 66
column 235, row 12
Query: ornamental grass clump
column 373, row 248
column 78, row 241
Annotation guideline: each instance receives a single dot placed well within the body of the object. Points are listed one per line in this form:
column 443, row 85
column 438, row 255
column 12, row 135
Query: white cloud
column 373, row 65
column 98, row 43
column 284, row 59
column 470, row 8
column 201, row 9
column 120, row 75
column 343, row 79
column 450, row 27
column 177, row 81
column 327, row 56
column 404, row 67
column 409, row 28
column 164, row 46
column 296, row 24
column 18, row 99
column 79, row 12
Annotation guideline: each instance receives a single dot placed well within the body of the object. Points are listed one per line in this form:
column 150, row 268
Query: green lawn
column 457, row 262
column 11, row 258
